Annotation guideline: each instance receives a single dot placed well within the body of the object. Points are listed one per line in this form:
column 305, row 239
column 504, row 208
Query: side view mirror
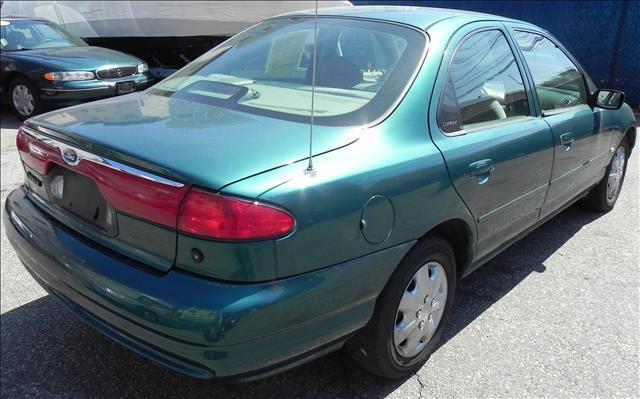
column 609, row 99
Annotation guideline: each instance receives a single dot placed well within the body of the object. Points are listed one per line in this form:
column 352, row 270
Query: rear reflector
column 226, row 218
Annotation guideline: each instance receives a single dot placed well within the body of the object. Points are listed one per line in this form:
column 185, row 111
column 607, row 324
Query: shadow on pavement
column 8, row 119
column 47, row 352
column 487, row 285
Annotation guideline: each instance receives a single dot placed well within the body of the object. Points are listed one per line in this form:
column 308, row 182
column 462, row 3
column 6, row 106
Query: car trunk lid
column 190, row 142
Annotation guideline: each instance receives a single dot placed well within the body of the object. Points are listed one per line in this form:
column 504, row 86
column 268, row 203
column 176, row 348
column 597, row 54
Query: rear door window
column 559, row 83
column 483, row 85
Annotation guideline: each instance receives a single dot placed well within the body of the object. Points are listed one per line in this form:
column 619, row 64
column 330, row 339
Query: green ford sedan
column 216, row 226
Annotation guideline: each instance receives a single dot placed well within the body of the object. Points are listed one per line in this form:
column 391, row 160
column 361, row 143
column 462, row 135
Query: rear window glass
column 484, row 85
column 362, row 69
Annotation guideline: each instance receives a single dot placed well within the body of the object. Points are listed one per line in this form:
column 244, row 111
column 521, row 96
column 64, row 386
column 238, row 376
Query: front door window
column 559, row 83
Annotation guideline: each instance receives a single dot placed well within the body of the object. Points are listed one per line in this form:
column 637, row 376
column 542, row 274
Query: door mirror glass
column 609, row 99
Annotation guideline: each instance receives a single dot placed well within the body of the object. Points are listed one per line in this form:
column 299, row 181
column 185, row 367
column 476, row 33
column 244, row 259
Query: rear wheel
column 410, row 313
column 603, row 197
column 25, row 100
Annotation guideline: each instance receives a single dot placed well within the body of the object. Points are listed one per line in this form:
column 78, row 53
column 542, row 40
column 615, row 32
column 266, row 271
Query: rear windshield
column 362, row 69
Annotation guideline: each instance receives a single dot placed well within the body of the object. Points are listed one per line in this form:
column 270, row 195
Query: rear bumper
column 197, row 326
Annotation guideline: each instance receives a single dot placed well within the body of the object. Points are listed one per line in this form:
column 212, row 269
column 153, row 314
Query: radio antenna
column 313, row 87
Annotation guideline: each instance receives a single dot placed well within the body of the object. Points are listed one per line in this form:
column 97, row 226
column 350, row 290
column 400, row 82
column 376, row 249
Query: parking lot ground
column 556, row 315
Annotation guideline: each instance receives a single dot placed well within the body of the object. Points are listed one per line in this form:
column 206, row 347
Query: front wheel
column 410, row 312
column 603, row 197
column 25, row 100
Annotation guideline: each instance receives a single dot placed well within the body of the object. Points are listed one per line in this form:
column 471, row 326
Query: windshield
column 362, row 69
column 18, row 35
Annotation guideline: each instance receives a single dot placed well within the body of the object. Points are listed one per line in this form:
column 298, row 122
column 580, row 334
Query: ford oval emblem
column 70, row 156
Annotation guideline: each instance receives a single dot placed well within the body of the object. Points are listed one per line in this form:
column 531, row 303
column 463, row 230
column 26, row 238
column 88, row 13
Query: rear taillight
column 36, row 154
column 226, row 218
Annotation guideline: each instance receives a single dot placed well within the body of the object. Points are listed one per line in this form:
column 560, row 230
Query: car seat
column 16, row 40
column 339, row 72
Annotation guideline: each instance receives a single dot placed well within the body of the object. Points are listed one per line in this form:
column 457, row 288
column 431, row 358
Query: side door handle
column 566, row 140
column 481, row 170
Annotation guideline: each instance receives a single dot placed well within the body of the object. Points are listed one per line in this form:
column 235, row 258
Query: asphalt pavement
column 556, row 315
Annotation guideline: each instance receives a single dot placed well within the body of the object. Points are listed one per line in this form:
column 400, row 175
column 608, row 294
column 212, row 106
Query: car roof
column 419, row 17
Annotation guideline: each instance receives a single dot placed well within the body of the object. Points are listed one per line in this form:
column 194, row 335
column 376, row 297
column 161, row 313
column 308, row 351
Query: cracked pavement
column 557, row 314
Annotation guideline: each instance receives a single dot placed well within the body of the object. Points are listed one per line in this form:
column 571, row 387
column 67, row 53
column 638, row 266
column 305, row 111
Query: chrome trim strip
column 498, row 209
column 558, row 111
column 82, row 89
column 568, row 173
column 587, row 162
column 87, row 156
column 609, row 151
column 19, row 224
column 490, row 125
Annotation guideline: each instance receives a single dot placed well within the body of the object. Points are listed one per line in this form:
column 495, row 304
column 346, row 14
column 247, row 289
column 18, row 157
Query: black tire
column 38, row 107
column 373, row 347
column 598, row 198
